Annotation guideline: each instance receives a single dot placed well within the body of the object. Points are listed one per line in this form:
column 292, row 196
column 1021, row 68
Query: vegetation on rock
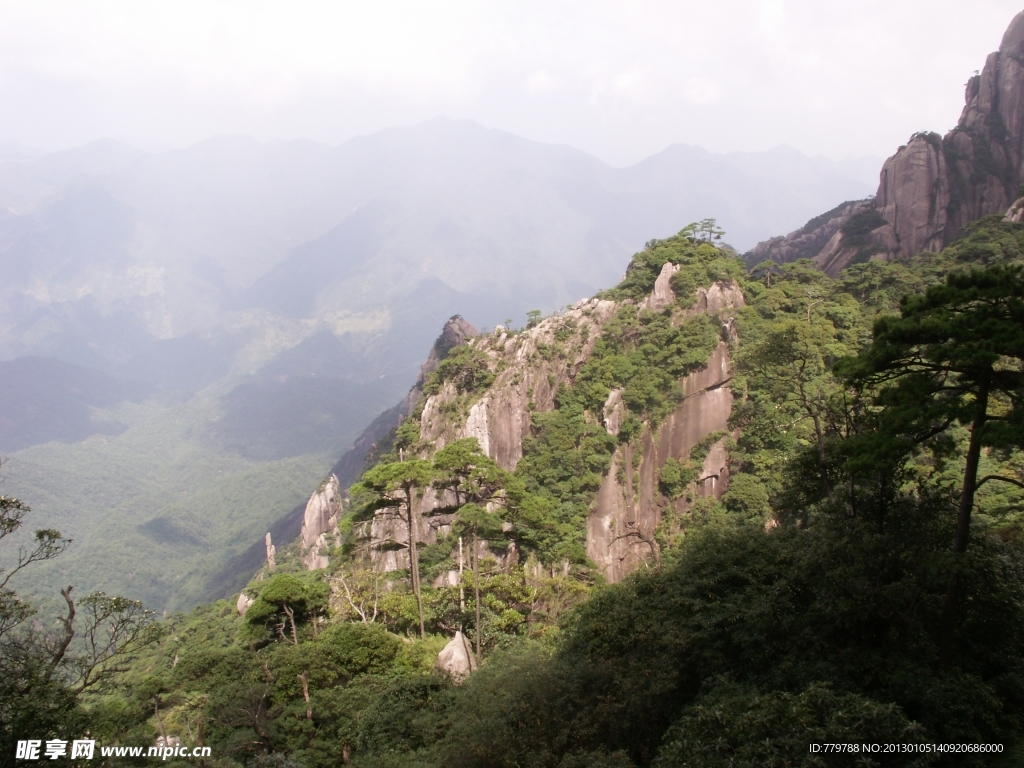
column 811, row 604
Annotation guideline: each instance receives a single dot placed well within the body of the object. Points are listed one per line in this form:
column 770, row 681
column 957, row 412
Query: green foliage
column 466, row 367
column 805, row 606
column 740, row 726
column 526, row 708
column 955, row 354
column 472, row 477
column 703, row 231
column 794, row 328
column 701, row 263
column 444, row 343
column 160, row 488
column 567, row 453
column 747, row 497
column 676, row 477
column 645, row 356
column 856, row 231
column 408, row 715
column 755, row 644
column 46, row 674
column 407, row 436
column 286, row 601
column 785, row 610
column 563, row 461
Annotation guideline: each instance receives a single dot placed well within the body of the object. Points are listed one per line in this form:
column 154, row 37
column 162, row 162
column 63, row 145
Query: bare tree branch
column 1010, row 480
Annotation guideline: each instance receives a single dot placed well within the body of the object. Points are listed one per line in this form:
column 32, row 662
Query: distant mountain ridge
column 276, row 298
column 180, row 268
column 934, row 185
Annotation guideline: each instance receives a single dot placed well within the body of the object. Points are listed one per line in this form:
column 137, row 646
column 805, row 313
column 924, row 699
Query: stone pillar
column 271, row 554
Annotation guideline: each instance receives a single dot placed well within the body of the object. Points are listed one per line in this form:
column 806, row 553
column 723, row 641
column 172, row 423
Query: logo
column 29, row 749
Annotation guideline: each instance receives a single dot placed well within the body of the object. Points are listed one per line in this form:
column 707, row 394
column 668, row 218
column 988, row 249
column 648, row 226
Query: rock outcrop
column 243, row 604
column 662, row 296
column 1015, row 212
column 821, row 238
column 457, row 659
column 529, row 374
column 629, row 506
column 320, row 524
column 271, row 553
column 935, row 185
column 456, row 331
column 529, row 368
column 348, row 468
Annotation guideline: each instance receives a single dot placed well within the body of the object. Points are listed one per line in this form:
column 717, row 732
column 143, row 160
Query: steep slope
column 276, row 298
column 547, row 371
column 46, row 399
column 933, row 186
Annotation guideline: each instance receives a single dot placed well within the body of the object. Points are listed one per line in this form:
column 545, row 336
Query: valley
column 252, row 304
column 384, row 454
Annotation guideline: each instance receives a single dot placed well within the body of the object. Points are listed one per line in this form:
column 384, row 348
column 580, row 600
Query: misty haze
column 423, row 378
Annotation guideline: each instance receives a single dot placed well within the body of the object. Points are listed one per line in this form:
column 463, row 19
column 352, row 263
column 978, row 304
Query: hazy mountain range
column 252, row 306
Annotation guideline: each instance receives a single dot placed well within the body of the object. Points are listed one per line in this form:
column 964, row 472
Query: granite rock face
column 934, row 185
column 1015, row 212
column 662, row 296
column 455, row 331
column 527, row 382
column 811, row 239
column 320, row 524
column 243, row 604
column 271, row 553
column 621, row 525
column 499, row 420
column 457, row 659
column 529, row 367
column 629, row 505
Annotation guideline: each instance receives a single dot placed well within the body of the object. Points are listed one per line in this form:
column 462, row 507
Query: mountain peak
column 934, row 185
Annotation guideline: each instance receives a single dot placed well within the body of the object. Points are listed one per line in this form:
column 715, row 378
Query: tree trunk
column 462, row 587
column 963, row 526
column 291, row 617
column 305, row 694
column 414, row 558
column 476, row 593
column 201, row 737
column 159, row 720
column 69, row 633
column 963, row 517
column 819, row 432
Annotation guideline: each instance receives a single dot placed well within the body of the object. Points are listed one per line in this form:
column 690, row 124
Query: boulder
column 1015, row 212
column 243, row 604
column 662, row 296
column 457, row 659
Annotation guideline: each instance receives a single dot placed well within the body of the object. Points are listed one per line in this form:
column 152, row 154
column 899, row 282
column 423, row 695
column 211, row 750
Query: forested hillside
column 243, row 307
column 839, row 560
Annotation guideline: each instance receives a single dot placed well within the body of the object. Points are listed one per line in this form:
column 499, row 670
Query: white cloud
column 700, row 91
column 541, row 81
column 835, row 78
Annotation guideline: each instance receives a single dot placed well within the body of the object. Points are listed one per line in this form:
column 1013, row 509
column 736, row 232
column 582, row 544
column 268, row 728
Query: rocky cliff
column 529, row 367
column 934, row 185
column 324, row 508
column 456, row 331
column 320, row 524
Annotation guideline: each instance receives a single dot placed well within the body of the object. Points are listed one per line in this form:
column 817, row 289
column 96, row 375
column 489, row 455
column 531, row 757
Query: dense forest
column 861, row 580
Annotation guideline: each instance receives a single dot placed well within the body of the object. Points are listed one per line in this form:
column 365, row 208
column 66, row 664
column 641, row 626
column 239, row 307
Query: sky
column 621, row 80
